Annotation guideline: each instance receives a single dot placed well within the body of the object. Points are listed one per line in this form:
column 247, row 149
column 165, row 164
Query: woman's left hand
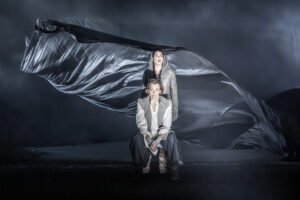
column 153, row 146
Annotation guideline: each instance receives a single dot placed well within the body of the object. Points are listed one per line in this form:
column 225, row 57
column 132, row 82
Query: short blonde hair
column 154, row 81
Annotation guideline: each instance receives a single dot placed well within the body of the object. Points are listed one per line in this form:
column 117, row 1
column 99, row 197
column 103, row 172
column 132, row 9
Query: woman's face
column 158, row 58
column 154, row 91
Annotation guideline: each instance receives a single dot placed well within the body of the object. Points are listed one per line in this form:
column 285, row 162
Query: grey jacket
column 144, row 116
column 168, row 79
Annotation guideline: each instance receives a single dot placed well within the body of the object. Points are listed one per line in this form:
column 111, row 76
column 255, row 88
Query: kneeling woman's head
column 154, row 89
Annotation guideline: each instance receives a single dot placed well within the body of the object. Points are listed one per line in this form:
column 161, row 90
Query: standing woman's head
column 158, row 62
column 158, row 57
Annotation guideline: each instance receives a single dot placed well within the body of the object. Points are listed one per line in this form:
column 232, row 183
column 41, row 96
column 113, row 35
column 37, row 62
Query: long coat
column 168, row 80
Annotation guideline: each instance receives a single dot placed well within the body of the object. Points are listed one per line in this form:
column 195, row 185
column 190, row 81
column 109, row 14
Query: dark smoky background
column 255, row 42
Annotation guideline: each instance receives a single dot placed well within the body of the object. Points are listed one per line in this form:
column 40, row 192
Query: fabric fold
column 107, row 71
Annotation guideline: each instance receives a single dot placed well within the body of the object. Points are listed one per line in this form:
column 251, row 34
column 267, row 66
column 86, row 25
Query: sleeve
column 141, row 120
column 174, row 96
column 144, row 85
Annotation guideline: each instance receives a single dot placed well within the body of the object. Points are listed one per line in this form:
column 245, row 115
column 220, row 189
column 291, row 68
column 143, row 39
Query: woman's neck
column 154, row 101
column 157, row 70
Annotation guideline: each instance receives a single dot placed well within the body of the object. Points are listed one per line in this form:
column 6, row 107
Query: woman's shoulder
column 169, row 69
column 148, row 72
column 165, row 100
column 143, row 100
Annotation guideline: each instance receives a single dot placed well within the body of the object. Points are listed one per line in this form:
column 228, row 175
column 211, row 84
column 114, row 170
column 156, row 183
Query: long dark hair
column 152, row 54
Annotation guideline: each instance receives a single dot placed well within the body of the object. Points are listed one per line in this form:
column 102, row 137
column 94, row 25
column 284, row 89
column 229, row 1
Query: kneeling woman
column 154, row 121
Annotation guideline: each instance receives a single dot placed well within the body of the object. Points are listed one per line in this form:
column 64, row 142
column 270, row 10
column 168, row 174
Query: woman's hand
column 147, row 136
column 153, row 146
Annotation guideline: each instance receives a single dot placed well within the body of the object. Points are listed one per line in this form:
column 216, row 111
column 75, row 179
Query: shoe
column 175, row 173
column 162, row 159
column 163, row 170
column 146, row 170
column 47, row 26
column 180, row 162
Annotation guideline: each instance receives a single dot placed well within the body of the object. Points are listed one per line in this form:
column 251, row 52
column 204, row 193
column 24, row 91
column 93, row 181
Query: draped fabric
column 106, row 70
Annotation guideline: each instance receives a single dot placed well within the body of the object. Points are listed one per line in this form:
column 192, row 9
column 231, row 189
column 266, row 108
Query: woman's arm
column 144, row 86
column 165, row 128
column 174, row 96
column 141, row 120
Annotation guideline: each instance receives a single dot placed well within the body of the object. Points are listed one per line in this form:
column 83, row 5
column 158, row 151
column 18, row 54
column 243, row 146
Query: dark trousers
column 140, row 153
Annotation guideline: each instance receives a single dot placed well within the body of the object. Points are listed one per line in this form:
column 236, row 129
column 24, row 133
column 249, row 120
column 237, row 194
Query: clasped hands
column 154, row 143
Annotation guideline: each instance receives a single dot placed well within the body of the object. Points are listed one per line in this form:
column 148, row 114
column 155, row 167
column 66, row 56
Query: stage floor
column 118, row 152
column 104, row 171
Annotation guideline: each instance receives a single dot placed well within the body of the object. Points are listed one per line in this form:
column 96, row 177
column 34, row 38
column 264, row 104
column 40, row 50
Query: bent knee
column 137, row 138
column 172, row 137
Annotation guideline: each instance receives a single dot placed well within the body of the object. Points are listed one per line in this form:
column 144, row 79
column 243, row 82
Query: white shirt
column 154, row 123
column 154, row 129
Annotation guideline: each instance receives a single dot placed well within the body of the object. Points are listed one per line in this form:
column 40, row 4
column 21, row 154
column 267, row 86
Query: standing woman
column 158, row 68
